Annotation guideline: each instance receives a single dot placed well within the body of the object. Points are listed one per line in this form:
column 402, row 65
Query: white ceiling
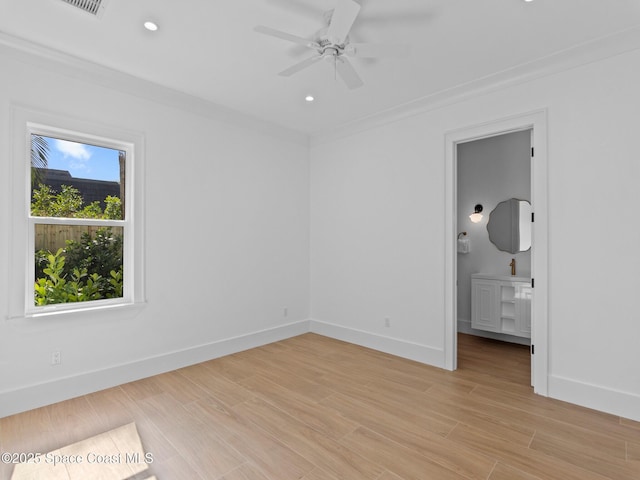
column 207, row 48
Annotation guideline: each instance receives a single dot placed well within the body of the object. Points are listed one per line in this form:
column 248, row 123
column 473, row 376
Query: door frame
column 537, row 122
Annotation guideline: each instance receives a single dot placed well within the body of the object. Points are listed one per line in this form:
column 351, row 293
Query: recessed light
column 151, row 26
column 309, row 98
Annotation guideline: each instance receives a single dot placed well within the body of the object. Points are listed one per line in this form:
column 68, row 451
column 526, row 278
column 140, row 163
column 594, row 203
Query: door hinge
column 532, row 151
column 532, row 217
column 533, row 349
column 533, row 283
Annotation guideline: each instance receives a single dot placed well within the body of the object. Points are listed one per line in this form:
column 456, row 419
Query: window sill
column 103, row 308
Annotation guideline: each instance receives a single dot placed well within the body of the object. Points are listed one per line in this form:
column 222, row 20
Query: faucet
column 513, row 266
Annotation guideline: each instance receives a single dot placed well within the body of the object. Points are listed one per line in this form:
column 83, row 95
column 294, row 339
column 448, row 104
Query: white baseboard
column 401, row 348
column 607, row 400
column 615, row 402
column 46, row 393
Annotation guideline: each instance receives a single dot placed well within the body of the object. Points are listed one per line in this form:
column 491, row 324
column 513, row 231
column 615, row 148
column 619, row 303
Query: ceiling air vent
column 94, row 7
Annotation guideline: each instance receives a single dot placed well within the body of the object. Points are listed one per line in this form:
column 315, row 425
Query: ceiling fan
column 333, row 44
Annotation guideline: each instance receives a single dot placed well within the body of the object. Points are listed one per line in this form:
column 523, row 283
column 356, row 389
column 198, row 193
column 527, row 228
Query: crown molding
column 576, row 56
column 570, row 58
column 69, row 65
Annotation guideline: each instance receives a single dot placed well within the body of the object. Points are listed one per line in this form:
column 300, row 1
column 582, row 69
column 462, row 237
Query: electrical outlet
column 387, row 322
column 285, row 312
column 56, row 358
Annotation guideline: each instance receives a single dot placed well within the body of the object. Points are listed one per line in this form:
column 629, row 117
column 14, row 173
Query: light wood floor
column 314, row 408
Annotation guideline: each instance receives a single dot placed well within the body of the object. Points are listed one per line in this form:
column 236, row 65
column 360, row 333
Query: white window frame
column 27, row 122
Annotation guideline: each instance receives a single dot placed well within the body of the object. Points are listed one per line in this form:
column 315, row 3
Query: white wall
column 377, row 238
column 490, row 170
column 377, row 234
column 378, row 218
column 227, row 235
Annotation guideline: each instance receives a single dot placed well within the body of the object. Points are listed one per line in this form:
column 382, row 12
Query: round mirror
column 509, row 226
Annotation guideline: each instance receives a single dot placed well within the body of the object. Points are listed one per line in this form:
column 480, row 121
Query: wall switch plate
column 387, row 322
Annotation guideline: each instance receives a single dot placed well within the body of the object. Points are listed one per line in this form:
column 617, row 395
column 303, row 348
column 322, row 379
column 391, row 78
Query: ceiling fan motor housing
column 329, row 48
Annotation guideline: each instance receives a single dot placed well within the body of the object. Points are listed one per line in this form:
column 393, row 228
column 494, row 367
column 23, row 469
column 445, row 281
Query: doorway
column 492, row 314
column 535, row 123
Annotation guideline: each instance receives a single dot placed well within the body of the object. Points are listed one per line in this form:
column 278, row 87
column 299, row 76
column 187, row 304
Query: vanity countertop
column 496, row 276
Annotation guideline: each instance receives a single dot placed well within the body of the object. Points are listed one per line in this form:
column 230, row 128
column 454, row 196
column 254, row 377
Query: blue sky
column 84, row 161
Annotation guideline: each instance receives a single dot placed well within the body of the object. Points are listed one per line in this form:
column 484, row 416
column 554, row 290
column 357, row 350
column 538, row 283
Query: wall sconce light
column 476, row 216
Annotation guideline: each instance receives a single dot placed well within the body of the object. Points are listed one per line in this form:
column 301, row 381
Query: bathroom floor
column 508, row 361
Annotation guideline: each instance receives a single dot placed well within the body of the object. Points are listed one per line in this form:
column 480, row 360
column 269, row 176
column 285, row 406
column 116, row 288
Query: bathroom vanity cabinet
column 501, row 304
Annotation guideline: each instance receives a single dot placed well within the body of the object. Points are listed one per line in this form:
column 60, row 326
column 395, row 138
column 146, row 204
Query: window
column 77, row 218
column 81, row 220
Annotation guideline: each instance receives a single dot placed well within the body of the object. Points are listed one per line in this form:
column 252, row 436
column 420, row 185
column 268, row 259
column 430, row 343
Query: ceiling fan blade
column 286, row 36
column 342, row 20
column 348, row 73
column 377, row 50
column 300, row 66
